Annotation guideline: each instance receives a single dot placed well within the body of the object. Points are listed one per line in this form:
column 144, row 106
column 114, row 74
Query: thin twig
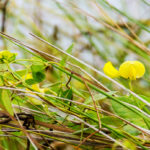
column 85, row 139
column 98, row 116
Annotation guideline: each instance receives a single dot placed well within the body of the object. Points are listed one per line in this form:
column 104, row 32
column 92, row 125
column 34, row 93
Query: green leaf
column 9, row 77
column 1, row 81
column 38, row 72
column 92, row 114
column 21, row 72
column 69, row 50
column 77, row 92
column 98, row 97
column 112, row 121
column 146, row 98
column 131, row 130
column 5, row 100
column 37, row 61
column 31, row 81
column 127, row 113
column 67, row 94
column 35, row 101
column 121, row 110
column 3, row 67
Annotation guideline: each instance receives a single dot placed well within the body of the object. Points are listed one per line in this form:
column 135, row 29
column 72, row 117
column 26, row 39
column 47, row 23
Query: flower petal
column 132, row 70
column 140, row 69
column 110, row 70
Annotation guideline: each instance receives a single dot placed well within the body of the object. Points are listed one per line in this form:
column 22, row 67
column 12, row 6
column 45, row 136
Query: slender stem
column 130, row 85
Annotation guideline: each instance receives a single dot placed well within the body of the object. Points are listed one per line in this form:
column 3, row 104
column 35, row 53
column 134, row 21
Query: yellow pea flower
column 128, row 69
column 110, row 70
column 6, row 56
column 36, row 88
column 132, row 70
column 33, row 86
column 28, row 76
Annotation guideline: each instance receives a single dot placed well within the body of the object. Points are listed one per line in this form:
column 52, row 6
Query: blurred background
column 101, row 30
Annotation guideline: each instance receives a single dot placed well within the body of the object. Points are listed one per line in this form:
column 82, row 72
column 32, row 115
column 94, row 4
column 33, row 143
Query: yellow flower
column 132, row 70
column 110, row 70
column 28, row 76
column 36, row 88
column 6, row 56
column 128, row 69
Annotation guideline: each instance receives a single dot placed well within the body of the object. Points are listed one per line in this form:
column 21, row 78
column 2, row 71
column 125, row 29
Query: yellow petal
column 132, row 73
column 132, row 70
column 110, row 70
column 7, row 56
column 35, row 87
column 28, row 76
column 140, row 69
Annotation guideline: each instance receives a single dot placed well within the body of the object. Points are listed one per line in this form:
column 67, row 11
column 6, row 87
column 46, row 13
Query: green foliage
column 5, row 100
column 98, row 97
column 63, row 98
column 38, row 73
column 126, row 113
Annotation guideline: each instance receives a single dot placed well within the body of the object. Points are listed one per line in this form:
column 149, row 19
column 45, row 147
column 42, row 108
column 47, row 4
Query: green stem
column 130, row 85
